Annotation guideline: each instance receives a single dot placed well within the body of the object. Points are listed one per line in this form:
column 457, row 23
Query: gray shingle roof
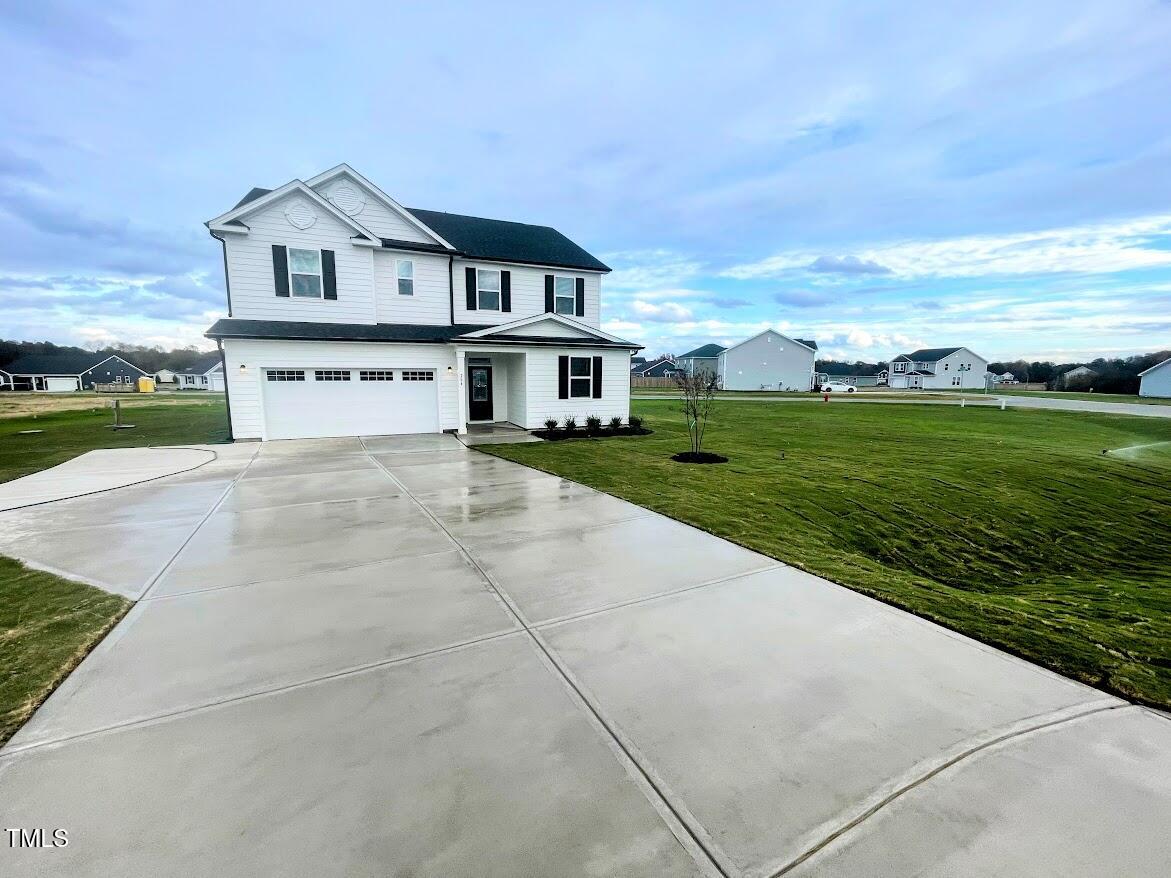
column 55, row 364
column 202, row 365
column 704, row 352
column 481, row 238
column 928, row 355
column 235, row 327
column 808, row 342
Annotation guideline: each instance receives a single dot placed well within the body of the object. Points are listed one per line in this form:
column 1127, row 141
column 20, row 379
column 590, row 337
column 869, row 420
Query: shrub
column 635, row 422
column 570, row 424
column 550, row 424
column 593, row 424
column 615, row 424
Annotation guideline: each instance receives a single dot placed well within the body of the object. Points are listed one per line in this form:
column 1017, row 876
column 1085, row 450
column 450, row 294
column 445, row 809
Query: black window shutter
column 506, row 291
column 563, row 377
column 597, row 377
column 579, row 297
column 549, row 296
column 328, row 274
column 470, row 284
column 280, row 269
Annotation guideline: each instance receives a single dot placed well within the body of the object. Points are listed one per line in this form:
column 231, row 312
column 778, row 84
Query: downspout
column 219, row 343
column 227, row 282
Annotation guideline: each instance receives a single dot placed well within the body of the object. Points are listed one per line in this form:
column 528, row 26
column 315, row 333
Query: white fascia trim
column 562, row 270
column 218, row 224
column 343, row 168
column 1154, row 367
column 537, row 318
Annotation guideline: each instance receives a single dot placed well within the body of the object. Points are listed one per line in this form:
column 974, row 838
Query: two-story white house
column 349, row 314
column 938, row 369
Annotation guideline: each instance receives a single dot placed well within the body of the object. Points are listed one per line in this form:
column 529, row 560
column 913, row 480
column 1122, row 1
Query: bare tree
column 698, row 392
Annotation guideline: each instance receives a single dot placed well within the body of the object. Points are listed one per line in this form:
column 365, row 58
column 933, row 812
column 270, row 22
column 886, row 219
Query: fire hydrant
column 825, row 396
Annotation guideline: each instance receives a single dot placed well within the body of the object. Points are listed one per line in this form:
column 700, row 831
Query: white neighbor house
column 768, row 361
column 350, row 314
column 1156, row 381
column 206, row 373
column 939, row 369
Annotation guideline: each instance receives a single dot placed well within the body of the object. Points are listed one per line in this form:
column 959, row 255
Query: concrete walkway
column 399, row 656
column 975, row 399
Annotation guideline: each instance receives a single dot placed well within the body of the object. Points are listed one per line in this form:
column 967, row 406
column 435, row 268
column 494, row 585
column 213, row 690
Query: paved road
column 1021, row 402
column 402, row 657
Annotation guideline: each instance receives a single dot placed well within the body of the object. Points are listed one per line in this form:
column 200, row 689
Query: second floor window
column 563, row 296
column 487, row 289
column 305, row 273
column 900, row 367
column 406, row 277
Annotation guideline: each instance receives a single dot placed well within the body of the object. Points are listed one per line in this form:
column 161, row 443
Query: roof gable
column 234, row 220
column 1154, row 367
column 354, row 195
column 810, row 345
column 930, row 355
column 504, row 241
column 545, row 326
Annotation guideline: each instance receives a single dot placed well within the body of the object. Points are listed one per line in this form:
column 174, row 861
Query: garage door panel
column 312, row 403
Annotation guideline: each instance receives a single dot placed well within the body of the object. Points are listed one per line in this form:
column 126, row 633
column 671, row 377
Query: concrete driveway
column 401, row 657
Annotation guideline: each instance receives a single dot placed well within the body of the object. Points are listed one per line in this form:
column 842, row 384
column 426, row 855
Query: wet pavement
column 398, row 656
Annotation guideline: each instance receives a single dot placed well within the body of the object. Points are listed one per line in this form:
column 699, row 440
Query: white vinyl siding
column 528, row 294
column 258, row 355
column 431, row 302
column 250, row 269
column 541, row 378
column 770, row 361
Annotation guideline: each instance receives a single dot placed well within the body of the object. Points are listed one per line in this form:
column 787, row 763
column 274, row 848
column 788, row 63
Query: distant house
column 62, row 373
column 705, row 358
column 636, row 362
column 1006, row 378
column 663, row 367
column 1156, row 381
column 768, row 361
column 164, row 376
column 938, row 369
column 206, row 373
column 883, row 377
column 1078, row 377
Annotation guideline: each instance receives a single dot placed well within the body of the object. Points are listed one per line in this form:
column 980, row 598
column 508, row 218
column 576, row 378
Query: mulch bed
column 702, row 457
column 580, row 433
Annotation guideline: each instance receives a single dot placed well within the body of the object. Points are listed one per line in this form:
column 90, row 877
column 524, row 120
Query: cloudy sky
column 874, row 175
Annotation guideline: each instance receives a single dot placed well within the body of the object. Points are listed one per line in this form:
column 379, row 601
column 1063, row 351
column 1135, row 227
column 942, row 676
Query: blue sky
column 875, row 176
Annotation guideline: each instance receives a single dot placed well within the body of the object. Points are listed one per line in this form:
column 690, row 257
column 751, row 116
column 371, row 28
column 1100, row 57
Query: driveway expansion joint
column 1056, row 718
column 679, row 818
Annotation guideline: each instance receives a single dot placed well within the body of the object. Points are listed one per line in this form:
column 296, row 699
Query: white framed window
column 405, row 272
column 564, row 297
column 581, row 377
column 488, row 289
column 331, row 374
column 305, row 273
column 285, row 374
column 901, row 366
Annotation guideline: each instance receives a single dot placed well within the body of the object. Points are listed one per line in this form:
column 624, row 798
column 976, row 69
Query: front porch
column 492, row 391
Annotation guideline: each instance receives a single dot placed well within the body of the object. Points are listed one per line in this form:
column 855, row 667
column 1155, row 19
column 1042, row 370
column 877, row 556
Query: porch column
column 461, row 390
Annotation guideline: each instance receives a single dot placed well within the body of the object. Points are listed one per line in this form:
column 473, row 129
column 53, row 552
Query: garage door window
column 418, row 375
column 276, row 375
column 332, row 374
column 375, row 375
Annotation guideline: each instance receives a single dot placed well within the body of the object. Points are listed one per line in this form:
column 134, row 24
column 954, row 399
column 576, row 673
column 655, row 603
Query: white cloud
column 639, row 270
column 667, row 312
column 1094, row 249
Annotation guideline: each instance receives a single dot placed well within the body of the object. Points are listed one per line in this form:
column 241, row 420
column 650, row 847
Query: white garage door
column 60, row 385
column 306, row 403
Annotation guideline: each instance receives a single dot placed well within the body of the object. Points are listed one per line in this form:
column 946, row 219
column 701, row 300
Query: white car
column 837, row 387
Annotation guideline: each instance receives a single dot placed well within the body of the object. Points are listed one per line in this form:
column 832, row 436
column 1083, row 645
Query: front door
column 479, row 393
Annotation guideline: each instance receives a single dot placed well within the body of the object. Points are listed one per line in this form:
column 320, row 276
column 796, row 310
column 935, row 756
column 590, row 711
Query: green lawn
column 67, row 434
column 48, row 624
column 1010, row 526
